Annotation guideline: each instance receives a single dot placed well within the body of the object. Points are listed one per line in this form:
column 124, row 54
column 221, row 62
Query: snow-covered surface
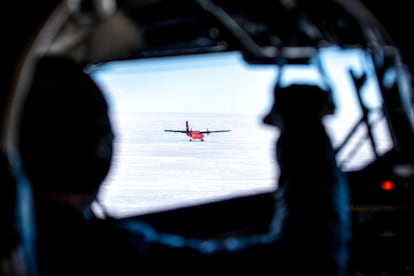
column 156, row 170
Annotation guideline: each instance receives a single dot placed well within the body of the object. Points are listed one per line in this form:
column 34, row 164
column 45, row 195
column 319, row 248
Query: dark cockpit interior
column 374, row 134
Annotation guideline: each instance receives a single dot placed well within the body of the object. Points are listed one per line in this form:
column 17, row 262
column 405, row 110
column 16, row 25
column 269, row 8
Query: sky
column 200, row 84
column 218, row 83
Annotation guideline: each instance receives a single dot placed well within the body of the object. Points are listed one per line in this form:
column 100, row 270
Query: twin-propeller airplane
column 195, row 134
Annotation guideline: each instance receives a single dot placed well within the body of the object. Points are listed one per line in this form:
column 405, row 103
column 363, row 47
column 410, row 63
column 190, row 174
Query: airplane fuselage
column 195, row 134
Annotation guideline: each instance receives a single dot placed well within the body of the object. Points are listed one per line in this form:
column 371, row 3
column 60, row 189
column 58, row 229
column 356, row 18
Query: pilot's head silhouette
column 297, row 104
column 65, row 137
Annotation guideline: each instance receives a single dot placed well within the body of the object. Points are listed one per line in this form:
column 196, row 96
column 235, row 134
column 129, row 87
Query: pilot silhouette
column 313, row 196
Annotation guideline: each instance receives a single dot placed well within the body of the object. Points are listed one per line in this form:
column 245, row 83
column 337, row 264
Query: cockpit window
column 154, row 169
column 358, row 128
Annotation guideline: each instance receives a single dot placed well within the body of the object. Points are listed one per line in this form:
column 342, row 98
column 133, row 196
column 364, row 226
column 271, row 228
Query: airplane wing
column 207, row 131
column 211, row 131
column 171, row 130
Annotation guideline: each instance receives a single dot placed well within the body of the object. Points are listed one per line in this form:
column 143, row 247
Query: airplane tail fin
column 187, row 126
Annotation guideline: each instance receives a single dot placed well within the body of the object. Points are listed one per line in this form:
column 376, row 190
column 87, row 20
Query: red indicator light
column 387, row 185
